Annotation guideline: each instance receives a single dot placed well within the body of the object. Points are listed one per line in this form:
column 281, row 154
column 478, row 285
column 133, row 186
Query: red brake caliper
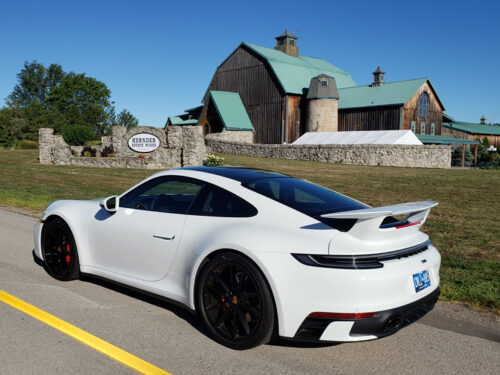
column 68, row 258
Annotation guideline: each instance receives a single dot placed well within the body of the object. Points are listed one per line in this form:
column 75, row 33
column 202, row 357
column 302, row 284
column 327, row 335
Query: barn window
column 433, row 128
column 281, row 41
column 292, row 42
column 422, row 127
column 423, row 105
column 413, row 126
column 324, row 82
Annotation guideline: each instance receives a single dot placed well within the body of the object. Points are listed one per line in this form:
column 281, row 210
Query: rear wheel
column 59, row 250
column 235, row 303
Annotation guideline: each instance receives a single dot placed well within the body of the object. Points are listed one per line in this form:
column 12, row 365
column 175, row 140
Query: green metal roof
column 437, row 139
column 177, row 121
column 231, row 110
column 390, row 93
column 295, row 73
column 174, row 120
column 473, row 128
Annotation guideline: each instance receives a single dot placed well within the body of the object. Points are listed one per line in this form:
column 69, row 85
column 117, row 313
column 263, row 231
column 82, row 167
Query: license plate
column 421, row 281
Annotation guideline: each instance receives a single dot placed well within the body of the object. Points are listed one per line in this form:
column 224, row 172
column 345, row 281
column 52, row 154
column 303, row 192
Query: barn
column 285, row 95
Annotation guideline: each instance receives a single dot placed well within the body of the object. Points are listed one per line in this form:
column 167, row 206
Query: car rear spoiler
column 372, row 213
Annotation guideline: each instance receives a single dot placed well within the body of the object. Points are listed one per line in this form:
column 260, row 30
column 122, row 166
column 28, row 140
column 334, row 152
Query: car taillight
column 350, row 316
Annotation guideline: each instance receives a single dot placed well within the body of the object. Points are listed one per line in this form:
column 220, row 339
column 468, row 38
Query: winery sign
column 144, row 142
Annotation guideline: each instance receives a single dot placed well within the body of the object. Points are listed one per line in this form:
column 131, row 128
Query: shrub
column 89, row 151
column 77, row 135
column 25, row 144
column 107, row 151
column 213, row 160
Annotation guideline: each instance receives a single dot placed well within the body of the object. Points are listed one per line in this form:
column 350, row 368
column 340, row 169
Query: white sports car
column 255, row 253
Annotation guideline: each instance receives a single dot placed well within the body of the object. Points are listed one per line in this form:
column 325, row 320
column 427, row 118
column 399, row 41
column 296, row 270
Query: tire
column 59, row 251
column 234, row 302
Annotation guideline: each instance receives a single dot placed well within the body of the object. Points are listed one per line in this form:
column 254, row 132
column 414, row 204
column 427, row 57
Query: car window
column 215, row 201
column 169, row 194
column 304, row 196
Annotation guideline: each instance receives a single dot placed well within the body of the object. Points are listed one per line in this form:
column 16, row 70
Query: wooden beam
column 463, row 155
column 475, row 155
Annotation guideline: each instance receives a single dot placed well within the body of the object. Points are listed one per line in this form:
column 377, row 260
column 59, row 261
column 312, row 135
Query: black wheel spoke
column 224, row 316
column 243, row 322
column 250, row 309
column 246, row 296
column 221, row 282
column 214, row 292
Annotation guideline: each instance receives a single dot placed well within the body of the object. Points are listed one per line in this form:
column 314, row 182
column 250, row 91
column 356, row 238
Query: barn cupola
column 483, row 120
column 378, row 77
column 287, row 43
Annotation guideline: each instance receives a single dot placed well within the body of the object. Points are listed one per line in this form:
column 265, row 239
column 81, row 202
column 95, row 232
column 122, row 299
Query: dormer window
column 291, row 41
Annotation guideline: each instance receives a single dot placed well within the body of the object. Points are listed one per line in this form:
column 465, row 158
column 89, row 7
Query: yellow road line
column 94, row 342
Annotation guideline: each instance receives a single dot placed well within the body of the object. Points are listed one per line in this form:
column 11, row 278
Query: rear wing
column 369, row 229
column 372, row 213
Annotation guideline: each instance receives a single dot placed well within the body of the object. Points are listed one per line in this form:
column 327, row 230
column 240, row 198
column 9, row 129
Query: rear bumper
column 384, row 323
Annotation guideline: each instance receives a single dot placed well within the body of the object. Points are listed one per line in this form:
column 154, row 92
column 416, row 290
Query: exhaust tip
column 393, row 323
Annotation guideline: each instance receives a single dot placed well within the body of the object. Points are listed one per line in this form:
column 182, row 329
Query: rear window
column 215, row 201
column 303, row 196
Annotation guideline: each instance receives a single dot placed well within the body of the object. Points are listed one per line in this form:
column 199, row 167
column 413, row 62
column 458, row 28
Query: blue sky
column 158, row 57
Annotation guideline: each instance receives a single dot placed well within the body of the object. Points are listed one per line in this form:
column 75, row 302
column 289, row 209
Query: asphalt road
column 449, row 340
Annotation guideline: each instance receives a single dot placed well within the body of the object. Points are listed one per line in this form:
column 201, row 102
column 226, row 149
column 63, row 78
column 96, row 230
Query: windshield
column 306, row 197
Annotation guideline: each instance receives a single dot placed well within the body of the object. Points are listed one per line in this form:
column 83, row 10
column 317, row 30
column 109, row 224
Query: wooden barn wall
column 410, row 112
column 245, row 74
column 370, row 118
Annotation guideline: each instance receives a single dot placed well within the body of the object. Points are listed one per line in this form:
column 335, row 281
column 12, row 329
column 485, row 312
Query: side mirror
column 110, row 204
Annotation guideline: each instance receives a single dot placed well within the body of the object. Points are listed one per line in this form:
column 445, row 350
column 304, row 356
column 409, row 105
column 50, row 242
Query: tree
column 34, row 83
column 125, row 118
column 82, row 100
column 48, row 97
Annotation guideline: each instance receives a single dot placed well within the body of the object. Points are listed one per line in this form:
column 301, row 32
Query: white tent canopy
column 382, row 137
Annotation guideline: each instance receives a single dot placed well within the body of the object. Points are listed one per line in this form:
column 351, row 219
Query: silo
column 322, row 100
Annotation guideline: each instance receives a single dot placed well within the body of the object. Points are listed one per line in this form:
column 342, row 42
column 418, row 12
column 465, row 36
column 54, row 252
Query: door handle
column 167, row 237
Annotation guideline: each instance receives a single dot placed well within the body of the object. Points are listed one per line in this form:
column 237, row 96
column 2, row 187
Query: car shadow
column 180, row 311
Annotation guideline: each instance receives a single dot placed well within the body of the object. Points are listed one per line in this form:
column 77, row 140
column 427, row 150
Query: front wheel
column 59, row 250
column 235, row 303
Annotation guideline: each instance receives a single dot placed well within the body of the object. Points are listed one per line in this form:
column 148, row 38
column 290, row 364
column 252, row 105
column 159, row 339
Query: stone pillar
column 322, row 115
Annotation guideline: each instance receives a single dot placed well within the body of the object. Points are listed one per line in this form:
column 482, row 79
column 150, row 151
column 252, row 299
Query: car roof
column 237, row 173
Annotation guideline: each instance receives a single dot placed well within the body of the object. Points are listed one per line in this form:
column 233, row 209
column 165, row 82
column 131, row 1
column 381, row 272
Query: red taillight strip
column 352, row 316
column 408, row 225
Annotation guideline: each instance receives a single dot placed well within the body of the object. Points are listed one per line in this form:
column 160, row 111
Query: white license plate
column 421, row 281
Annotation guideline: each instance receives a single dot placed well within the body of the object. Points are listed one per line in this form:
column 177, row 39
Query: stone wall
column 244, row 136
column 181, row 146
column 428, row 156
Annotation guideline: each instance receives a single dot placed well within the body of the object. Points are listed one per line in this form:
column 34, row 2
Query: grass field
column 464, row 227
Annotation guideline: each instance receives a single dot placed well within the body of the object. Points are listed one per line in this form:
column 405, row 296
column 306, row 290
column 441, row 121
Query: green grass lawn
column 464, row 227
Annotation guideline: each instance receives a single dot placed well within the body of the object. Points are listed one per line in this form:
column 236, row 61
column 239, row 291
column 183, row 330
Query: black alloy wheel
column 59, row 250
column 235, row 303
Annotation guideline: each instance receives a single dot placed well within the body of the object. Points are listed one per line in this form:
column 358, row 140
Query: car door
column 140, row 239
